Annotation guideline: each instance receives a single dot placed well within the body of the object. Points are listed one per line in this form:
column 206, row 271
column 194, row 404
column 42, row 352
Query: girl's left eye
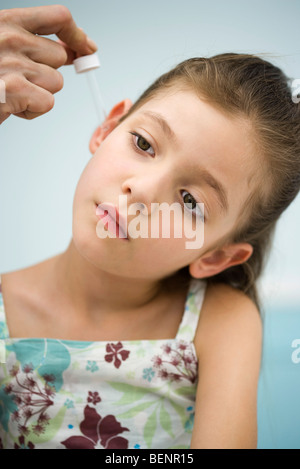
column 191, row 205
column 141, row 143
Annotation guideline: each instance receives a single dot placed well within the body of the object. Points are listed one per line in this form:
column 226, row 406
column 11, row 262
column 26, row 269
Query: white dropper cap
column 88, row 63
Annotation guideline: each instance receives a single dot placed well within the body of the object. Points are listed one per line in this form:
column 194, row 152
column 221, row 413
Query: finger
column 37, row 48
column 71, row 55
column 46, row 51
column 51, row 19
column 45, row 77
column 22, row 96
column 14, row 67
column 28, row 115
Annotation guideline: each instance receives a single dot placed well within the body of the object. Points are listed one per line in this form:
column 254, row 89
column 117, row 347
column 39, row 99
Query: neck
column 90, row 289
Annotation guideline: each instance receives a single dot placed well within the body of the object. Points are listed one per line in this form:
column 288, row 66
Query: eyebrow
column 216, row 186
column 208, row 178
column 161, row 121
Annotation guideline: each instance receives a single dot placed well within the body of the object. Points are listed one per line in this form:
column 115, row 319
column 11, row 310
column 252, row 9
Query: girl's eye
column 142, row 144
column 191, row 204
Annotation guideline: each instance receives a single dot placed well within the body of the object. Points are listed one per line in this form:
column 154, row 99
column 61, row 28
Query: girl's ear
column 118, row 111
column 221, row 259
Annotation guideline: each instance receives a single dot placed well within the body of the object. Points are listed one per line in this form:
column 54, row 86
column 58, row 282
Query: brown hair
column 248, row 87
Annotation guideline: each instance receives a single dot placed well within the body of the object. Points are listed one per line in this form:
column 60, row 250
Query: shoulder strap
column 193, row 306
column 3, row 325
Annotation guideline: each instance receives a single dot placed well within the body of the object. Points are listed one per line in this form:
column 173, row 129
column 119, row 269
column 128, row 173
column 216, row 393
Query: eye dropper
column 88, row 63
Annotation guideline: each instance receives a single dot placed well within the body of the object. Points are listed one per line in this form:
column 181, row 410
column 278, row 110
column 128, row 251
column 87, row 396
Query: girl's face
column 174, row 149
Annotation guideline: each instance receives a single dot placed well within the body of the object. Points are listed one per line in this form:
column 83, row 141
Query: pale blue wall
column 41, row 161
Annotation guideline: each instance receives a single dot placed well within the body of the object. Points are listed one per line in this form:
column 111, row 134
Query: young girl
column 140, row 342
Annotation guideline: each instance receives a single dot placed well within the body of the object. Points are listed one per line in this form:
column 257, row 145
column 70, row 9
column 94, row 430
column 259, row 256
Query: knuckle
column 5, row 15
column 14, row 83
column 9, row 39
column 63, row 12
column 10, row 62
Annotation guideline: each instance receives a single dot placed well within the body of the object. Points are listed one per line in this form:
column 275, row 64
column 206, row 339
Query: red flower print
column 22, row 444
column 167, row 349
column 182, row 347
column 181, row 359
column 94, row 397
column 98, row 432
column 32, row 399
column 49, row 378
column 38, row 429
column 157, row 361
column 114, row 351
column 28, row 368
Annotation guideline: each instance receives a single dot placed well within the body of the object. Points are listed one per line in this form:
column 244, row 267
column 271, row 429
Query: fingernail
column 92, row 45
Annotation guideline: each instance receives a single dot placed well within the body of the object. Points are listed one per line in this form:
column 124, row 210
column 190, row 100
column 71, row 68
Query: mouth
column 114, row 222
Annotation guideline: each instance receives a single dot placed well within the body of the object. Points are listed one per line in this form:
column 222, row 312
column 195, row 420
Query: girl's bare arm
column 228, row 343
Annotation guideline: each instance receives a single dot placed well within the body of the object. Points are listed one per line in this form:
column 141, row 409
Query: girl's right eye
column 141, row 144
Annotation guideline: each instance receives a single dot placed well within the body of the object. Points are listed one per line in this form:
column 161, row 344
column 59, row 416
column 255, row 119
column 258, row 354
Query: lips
column 116, row 223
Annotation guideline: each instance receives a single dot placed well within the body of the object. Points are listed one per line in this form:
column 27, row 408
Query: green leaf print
column 185, row 391
column 165, row 421
column 186, row 330
column 150, row 428
column 50, row 430
column 131, row 394
column 136, row 410
column 180, row 411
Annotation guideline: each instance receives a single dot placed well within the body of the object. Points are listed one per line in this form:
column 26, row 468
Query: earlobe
column 118, row 111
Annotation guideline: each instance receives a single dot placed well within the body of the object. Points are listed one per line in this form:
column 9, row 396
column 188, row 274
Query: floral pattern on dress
column 116, row 354
column 23, row 445
column 181, row 358
column 32, row 399
column 114, row 395
column 97, row 432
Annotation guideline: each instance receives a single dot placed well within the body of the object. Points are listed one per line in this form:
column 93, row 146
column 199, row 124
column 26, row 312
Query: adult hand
column 29, row 62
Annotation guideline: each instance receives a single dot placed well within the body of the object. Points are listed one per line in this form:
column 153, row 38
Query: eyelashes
column 141, row 145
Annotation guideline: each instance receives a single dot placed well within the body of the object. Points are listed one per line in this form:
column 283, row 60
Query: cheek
column 86, row 179
column 112, row 160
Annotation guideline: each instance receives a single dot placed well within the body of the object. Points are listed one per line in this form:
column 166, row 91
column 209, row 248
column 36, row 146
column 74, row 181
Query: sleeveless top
column 71, row 394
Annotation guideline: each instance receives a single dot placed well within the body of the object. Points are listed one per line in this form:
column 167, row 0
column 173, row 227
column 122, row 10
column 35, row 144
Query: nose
column 141, row 201
column 144, row 190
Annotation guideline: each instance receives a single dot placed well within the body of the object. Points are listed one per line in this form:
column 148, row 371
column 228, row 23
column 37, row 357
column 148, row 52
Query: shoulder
column 23, row 300
column 228, row 317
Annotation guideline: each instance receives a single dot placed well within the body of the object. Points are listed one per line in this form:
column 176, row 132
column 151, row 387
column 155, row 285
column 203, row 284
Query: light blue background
column 41, row 160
